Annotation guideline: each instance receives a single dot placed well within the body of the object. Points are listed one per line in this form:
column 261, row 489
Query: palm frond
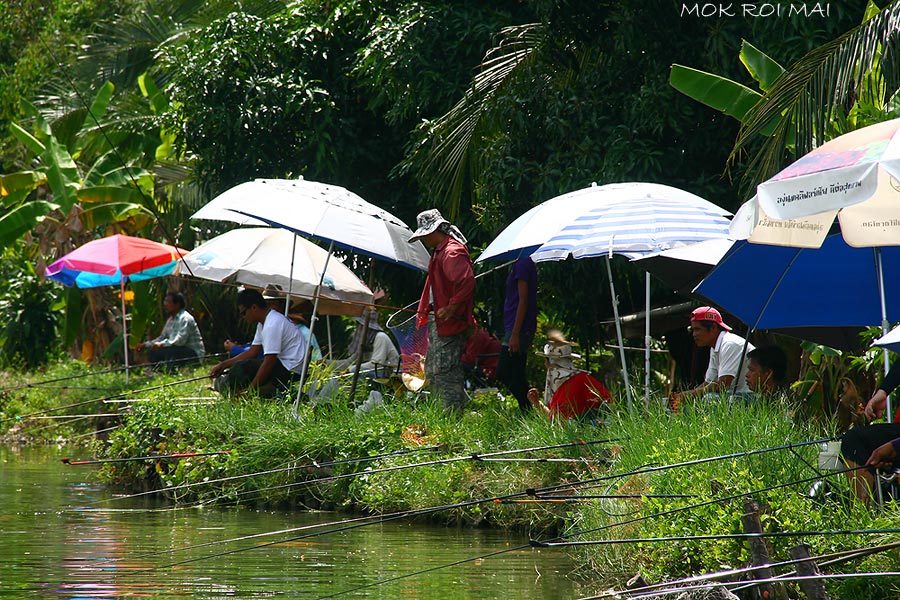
column 822, row 88
column 447, row 156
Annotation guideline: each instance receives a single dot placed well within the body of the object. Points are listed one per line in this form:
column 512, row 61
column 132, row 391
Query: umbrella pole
column 124, row 328
column 647, row 345
column 287, row 303
column 615, row 306
column 312, row 324
column 879, row 269
column 365, row 329
column 328, row 328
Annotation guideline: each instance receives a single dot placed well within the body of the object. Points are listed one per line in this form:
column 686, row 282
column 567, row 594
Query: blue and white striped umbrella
column 636, row 220
column 632, row 219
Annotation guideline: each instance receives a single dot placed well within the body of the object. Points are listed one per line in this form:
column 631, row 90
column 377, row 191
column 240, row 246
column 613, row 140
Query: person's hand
column 882, row 456
column 217, row 370
column 140, row 346
column 443, row 313
column 156, row 346
column 876, row 405
column 514, row 343
column 534, row 397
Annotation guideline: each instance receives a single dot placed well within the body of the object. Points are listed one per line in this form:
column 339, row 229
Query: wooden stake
column 813, row 588
column 759, row 554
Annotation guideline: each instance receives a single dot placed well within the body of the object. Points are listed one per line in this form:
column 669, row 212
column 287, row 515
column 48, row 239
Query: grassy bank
column 273, row 451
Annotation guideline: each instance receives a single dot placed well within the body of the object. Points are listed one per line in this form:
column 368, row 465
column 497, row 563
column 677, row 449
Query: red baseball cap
column 708, row 313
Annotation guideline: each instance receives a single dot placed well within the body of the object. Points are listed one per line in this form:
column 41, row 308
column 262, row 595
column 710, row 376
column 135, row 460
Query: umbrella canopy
column 262, row 256
column 113, row 260
column 842, row 172
column 638, row 217
column 684, row 267
column 326, row 212
column 772, row 287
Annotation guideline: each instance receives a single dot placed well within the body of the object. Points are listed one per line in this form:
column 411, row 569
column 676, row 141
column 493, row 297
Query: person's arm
column 521, row 309
column 457, row 267
column 884, row 455
column 877, row 404
column 251, row 352
column 535, row 399
column 718, row 385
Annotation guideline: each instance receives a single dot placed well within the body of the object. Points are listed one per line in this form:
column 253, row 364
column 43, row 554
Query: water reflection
column 53, row 548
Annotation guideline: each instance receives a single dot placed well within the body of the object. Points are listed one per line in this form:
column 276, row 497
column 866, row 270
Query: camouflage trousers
column 444, row 369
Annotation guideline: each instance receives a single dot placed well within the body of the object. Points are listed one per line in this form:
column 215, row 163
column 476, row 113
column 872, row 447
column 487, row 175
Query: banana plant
column 726, row 95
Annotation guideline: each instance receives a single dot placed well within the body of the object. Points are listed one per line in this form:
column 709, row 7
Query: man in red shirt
column 446, row 305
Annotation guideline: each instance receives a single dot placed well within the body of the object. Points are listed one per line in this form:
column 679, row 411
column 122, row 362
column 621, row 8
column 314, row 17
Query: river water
column 64, row 536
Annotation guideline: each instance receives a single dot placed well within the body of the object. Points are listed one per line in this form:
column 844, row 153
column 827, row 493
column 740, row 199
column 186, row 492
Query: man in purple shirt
column 519, row 323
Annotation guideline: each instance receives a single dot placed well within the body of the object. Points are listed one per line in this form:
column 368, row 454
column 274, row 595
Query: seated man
column 276, row 339
column 300, row 309
column 725, row 357
column 766, row 367
column 180, row 342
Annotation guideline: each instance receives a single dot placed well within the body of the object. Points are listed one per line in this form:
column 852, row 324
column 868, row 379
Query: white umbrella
column 262, row 256
column 326, row 212
column 622, row 218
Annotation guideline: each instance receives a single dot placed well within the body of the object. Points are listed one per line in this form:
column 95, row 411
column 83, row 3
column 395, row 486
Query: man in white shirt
column 726, row 355
column 277, row 340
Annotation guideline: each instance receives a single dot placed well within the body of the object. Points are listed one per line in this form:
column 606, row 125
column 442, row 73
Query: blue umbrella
column 769, row 287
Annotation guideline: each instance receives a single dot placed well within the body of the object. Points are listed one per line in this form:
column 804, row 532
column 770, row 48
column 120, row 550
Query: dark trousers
column 242, row 373
column 169, row 358
column 511, row 373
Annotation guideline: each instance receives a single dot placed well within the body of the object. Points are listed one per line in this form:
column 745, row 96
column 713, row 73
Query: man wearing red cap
column 726, row 356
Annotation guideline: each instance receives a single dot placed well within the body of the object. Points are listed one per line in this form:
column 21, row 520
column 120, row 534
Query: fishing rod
column 409, row 514
column 473, row 457
column 564, row 536
column 756, row 583
column 101, row 461
column 470, row 456
column 99, row 431
column 103, row 399
column 640, row 592
column 573, row 498
column 714, row 536
column 44, row 383
column 313, row 464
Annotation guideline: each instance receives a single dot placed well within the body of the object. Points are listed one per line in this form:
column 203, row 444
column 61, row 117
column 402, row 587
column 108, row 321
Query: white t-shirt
column 725, row 357
column 277, row 335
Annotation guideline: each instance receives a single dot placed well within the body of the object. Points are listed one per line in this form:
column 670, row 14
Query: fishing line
column 714, row 536
column 701, row 504
column 564, row 536
column 758, row 582
column 640, row 592
column 313, row 464
column 103, row 399
column 474, row 456
column 100, row 461
column 471, row 456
